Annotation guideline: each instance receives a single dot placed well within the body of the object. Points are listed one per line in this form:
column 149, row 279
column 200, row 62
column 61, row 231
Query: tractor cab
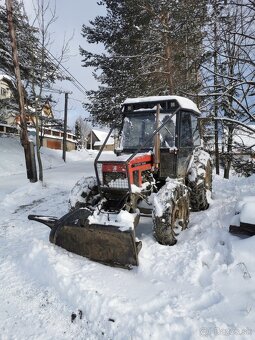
column 156, row 140
column 175, row 118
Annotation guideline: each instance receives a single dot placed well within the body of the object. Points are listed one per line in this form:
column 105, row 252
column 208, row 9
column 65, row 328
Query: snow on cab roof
column 184, row 103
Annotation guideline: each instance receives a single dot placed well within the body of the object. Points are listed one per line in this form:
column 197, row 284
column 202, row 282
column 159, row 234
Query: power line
column 76, row 100
column 67, row 73
column 52, row 90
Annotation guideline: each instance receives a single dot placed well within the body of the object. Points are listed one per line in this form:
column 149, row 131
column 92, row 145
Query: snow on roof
column 184, row 103
column 5, row 77
column 101, row 135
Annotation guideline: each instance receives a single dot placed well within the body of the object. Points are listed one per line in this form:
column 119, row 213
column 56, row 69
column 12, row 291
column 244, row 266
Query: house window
column 47, row 132
column 11, row 129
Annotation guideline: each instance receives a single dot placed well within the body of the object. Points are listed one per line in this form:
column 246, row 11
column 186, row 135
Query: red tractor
column 158, row 169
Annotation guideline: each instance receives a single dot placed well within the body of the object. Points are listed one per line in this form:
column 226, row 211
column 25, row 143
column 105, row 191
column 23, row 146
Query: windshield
column 137, row 129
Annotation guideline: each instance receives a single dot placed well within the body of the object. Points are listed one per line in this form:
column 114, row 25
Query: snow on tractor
column 159, row 170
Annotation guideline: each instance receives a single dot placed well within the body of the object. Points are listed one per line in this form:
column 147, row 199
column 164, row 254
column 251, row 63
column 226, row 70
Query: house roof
column 8, row 80
column 101, row 136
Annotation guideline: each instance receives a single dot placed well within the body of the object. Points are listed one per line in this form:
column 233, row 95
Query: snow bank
column 247, row 214
column 243, row 201
column 245, row 211
column 12, row 160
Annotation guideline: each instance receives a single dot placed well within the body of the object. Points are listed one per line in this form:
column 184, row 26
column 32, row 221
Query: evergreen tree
column 24, row 35
column 151, row 48
column 82, row 130
column 78, row 133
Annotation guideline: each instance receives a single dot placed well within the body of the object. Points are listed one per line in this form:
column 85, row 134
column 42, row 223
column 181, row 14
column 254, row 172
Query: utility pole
column 30, row 165
column 65, row 125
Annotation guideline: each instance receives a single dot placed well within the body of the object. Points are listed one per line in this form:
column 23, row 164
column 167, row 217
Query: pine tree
column 152, row 48
column 24, row 34
column 82, row 130
column 26, row 37
column 78, row 133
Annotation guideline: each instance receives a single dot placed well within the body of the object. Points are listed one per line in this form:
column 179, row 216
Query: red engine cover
column 137, row 165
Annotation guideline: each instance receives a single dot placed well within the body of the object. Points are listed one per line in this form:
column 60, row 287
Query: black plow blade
column 106, row 244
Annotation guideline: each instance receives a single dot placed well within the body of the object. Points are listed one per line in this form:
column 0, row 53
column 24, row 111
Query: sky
column 71, row 15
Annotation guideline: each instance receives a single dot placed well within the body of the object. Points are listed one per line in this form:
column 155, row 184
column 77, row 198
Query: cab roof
column 183, row 102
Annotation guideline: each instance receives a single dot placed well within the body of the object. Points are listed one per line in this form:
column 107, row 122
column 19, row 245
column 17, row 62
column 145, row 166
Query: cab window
column 185, row 137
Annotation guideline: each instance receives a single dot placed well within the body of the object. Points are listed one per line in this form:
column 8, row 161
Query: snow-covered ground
column 201, row 287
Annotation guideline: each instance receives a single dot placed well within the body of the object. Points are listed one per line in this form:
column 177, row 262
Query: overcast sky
column 70, row 17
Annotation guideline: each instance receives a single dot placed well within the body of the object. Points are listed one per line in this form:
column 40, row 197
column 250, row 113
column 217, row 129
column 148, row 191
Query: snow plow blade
column 101, row 243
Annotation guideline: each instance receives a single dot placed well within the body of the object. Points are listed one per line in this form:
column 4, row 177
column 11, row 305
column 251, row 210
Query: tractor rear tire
column 199, row 180
column 175, row 216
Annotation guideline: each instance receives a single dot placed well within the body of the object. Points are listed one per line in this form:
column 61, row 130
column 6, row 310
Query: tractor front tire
column 175, row 216
column 84, row 194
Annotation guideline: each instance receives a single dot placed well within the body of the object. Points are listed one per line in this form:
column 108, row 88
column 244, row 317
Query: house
column 52, row 138
column 51, row 131
column 6, row 116
column 96, row 138
column 6, row 87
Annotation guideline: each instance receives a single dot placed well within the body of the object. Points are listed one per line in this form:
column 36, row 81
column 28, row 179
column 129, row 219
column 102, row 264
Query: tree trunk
column 23, row 124
column 229, row 153
column 168, row 56
column 38, row 146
